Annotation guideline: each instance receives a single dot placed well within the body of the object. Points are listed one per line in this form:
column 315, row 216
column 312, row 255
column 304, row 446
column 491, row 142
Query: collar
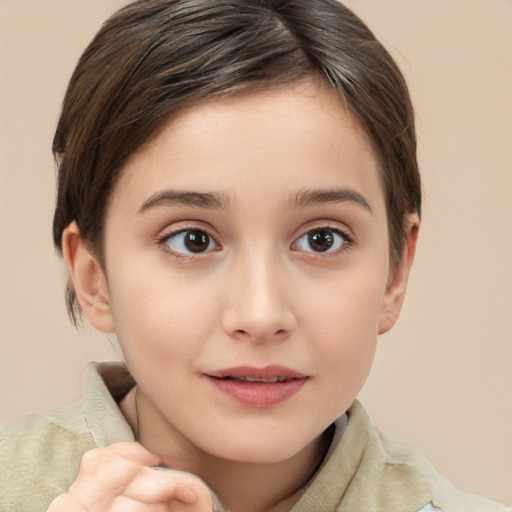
column 105, row 384
column 364, row 469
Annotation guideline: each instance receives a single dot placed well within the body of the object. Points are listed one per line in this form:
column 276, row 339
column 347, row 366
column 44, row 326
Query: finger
column 204, row 495
column 105, row 473
column 64, row 503
column 135, row 452
column 204, row 499
column 100, row 459
column 124, row 504
column 152, row 486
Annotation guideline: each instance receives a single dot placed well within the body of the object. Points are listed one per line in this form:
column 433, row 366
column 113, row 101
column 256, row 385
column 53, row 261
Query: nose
column 258, row 303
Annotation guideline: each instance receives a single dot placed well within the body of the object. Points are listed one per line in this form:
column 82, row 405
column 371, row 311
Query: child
column 239, row 202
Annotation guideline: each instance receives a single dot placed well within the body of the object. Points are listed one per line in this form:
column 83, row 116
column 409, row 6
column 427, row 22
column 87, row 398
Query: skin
column 120, row 478
column 259, row 293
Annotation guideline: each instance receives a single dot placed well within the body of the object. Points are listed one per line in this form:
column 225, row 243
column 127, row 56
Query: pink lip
column 247, row 385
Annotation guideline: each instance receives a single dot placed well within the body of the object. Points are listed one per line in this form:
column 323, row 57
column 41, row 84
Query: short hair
column 153, row 58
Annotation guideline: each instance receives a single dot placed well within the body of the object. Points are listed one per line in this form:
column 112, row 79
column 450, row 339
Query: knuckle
column 103, row 468
column 64, row 502
column 92, row 457
column 98, row 460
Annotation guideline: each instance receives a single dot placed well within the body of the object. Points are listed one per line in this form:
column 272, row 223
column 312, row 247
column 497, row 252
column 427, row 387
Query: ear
column 89, row 279
column 397, row 283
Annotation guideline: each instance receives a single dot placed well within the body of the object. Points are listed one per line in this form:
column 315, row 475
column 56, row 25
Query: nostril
column 249, row 323
column 246, row 334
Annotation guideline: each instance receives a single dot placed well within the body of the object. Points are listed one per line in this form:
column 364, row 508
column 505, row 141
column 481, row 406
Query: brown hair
column 155, row 57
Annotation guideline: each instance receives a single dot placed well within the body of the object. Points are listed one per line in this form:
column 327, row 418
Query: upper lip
column 270, row 373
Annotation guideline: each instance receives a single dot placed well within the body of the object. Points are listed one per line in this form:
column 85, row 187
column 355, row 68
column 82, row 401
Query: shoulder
column 43, row 432
column 370, row 470
column 405, row 465
column 40, row 455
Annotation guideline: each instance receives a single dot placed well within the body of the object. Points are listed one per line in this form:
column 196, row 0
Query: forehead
column 290, row 138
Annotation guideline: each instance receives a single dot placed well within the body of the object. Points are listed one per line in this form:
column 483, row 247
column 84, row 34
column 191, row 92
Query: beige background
column 442, row 379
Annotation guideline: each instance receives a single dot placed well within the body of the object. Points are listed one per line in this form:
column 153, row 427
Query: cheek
column 161, row 317
column 348, row 305
column 346, row 348
column 343, row 320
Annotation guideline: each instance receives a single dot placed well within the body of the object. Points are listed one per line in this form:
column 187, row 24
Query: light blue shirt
column 430, row 508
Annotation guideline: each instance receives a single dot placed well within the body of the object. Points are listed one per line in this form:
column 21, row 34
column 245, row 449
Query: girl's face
column 247, row 271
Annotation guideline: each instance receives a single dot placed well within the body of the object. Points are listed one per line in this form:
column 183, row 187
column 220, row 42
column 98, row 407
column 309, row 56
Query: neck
column 241, row 486
column 262, row 487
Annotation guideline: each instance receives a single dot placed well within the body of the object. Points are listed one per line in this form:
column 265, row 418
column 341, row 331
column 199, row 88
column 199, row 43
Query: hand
column 120, row 479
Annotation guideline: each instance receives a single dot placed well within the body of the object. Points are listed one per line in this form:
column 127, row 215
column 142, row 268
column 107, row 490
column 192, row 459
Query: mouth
column 253, row 379
column 258, row 387
column 268, row 374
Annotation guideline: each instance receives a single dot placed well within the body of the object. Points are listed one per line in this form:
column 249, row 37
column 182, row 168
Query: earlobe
column 88, row 279
column 397, row 285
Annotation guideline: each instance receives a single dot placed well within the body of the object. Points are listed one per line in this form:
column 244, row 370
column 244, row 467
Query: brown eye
column 196, row 241
column 190, row 241
column 321, row 240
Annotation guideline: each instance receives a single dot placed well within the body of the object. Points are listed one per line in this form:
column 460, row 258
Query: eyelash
column 348, row 241
column 163, row 240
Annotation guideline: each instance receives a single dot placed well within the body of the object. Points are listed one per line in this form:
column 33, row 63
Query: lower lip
column 258, row 394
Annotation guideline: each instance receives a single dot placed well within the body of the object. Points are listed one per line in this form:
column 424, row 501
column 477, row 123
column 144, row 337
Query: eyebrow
column 220, row 201
column 210, row 200
column 316, row 197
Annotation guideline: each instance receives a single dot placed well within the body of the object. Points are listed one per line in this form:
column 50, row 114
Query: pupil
column 320, row 241
column 196, row 241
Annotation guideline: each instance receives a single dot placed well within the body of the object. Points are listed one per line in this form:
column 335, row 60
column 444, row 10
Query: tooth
column 270, row 380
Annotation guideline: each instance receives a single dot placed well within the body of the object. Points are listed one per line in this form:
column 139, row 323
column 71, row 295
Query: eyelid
column 327, row 226
column 173, row 231
column 197, row 225
column 181, row 225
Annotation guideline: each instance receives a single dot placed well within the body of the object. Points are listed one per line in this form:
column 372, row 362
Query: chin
column 259, row 457
column 266, row 449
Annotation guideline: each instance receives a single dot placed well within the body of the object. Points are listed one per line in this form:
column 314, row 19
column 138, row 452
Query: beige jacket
column 368, row 471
